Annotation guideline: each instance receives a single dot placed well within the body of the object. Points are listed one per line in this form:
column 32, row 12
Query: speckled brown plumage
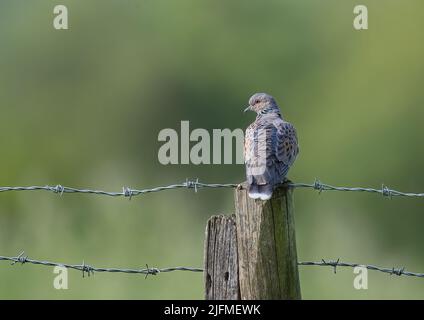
column 270, row 147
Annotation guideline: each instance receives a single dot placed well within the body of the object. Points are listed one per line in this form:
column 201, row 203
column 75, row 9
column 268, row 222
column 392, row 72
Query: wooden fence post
column 267, row 246
column 221, row 270
column 253, row 257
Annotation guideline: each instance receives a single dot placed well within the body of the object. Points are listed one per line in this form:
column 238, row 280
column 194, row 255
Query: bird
column 270, row 147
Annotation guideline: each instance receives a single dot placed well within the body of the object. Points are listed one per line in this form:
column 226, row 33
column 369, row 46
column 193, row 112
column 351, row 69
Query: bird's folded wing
column 286, row 146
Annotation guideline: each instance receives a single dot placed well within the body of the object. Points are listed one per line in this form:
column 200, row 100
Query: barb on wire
column 89, row 270
column 128, row 192
column 337, row 263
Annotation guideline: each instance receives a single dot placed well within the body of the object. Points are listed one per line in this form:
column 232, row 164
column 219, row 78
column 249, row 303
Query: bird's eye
column 257, row 101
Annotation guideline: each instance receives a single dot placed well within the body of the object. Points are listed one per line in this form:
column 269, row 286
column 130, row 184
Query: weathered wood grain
column 267, row 258
column 221, row 270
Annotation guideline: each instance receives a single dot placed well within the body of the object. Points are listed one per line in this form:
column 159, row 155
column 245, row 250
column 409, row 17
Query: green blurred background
column 84, row 107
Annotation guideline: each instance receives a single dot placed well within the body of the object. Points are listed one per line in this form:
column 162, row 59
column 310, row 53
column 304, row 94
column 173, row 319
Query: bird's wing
column 260, row 155
column 270, row 149
column 285, row 146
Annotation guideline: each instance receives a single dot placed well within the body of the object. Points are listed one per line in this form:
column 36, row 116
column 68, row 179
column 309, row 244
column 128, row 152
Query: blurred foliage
column 83, row 108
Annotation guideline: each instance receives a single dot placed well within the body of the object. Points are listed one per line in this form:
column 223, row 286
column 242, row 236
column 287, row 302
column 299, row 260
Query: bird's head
column 262, row 103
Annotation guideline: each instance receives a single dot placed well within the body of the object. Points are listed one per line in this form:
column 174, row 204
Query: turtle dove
column 270, row 147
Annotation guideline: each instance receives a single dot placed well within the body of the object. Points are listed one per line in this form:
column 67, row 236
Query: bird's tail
column 263, row 192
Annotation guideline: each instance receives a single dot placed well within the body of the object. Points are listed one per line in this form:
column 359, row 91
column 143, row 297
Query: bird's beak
column 248, row 108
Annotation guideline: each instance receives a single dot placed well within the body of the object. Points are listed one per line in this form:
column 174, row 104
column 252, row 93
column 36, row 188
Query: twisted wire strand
column 126, row 191
column 337, row 263
column 89, row 270
column 384, row 190
column 196, row 185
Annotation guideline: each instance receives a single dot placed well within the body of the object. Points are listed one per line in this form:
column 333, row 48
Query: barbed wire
column 384, row 190
column 337, row 263
column 196, row 185
column 90, row 270
column 126, row 191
